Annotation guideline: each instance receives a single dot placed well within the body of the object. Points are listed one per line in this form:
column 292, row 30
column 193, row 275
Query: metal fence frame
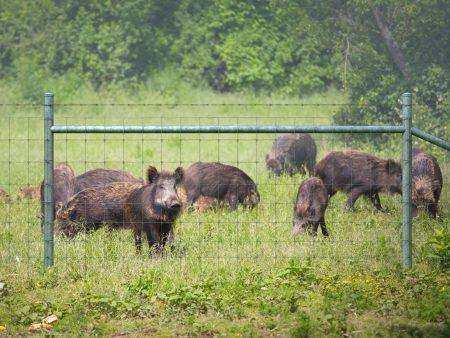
column 405, row 129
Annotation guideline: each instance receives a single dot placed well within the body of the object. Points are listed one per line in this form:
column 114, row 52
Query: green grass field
column 232, row 273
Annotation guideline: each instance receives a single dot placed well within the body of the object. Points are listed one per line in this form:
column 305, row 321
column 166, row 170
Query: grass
column 232, row 273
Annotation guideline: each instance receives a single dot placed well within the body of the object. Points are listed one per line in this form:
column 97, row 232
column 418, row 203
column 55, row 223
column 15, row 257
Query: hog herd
column 119, row 200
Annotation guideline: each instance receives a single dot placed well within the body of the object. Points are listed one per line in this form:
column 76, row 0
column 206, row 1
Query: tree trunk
column 393, row 48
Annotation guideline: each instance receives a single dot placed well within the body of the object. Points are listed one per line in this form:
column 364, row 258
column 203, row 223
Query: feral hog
column 203, row 202
column 29, row 192
column 220, row 182
column 101, row 177
column 63, row 186
column 359, row 173
column 154, row 207
column 427, row 182
column 290, row 153
column 93, row 207
column 4, row 197
column 310, row 206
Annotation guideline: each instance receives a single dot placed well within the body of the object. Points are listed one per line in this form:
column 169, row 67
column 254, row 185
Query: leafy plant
column 440, row 246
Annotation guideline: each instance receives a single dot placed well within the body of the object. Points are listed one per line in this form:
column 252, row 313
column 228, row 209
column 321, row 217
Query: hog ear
column 152, row 174
column 393, row 167
column 179, row 174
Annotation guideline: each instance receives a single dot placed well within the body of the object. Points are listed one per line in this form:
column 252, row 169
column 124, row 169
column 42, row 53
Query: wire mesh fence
column 218, row 234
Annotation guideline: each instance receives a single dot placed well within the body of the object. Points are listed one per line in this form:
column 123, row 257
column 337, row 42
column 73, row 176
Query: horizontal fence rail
column 249, row 129
column 430, row 138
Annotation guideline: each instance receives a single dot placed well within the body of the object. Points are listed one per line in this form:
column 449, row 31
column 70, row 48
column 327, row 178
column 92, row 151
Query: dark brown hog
column 310, row 206
column 221, row 183
column 102, row 177
column 359, row 173
column 290, row 153
column 94, row 207
column 63, row 186
column 427, row 182
column 154, row 207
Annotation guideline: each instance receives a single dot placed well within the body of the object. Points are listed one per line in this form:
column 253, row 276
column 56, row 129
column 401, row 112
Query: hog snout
column 420, row 192
column 175, row 205
column 255, row 198
column 298, row 227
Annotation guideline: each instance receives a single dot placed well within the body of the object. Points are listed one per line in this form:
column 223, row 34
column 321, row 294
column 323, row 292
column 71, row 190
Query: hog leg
column 232, row 201
column 323, row 227
column 171, row 240
column 301, row 170
column 375, row 198
column 310, row 166
column 153, row 237
column 137, row 231
column 432, row 209
column 287, row 166
column 166, row 237
column 171, row 237
column 314, row 229
column 415, row 210
column 354, row 195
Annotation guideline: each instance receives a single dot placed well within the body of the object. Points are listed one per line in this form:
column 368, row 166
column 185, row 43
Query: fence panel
column 168, row 136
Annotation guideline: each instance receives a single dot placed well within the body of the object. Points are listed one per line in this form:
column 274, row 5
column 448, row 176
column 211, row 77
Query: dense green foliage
column 274, row 46
column 263, row 45
column 422, row 32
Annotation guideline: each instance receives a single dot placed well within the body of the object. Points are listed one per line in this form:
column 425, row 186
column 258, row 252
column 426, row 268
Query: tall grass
column 230, row 272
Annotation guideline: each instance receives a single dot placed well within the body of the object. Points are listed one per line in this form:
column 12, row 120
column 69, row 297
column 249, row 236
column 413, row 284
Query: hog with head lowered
column 31, row 192
column 4, row 197
column 154, row 207
column 85, row 191
column 63, row 186
column 101, row 177
column 427, row 182
column 221, row 183
column 310, row 206
column 290, row 153
column 359, row 173
column 92, row 208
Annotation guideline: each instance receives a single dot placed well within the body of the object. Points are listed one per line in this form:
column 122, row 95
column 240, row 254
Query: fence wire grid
column 215, row 235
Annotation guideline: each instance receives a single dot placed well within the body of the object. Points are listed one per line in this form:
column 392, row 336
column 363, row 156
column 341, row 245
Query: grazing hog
column 29, row 192
column 221, row 183
column 203, row 202
column 310, row 206
column 102, row 177
column 93, row 207
column 290, row 153
column 427, row 182
column 4, row 197
column 63, row 186
column 359, row 173
column 154, row 207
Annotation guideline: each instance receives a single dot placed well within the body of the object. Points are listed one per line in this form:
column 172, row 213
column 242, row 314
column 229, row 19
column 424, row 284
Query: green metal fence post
column 48, row 180
column 406, row 181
